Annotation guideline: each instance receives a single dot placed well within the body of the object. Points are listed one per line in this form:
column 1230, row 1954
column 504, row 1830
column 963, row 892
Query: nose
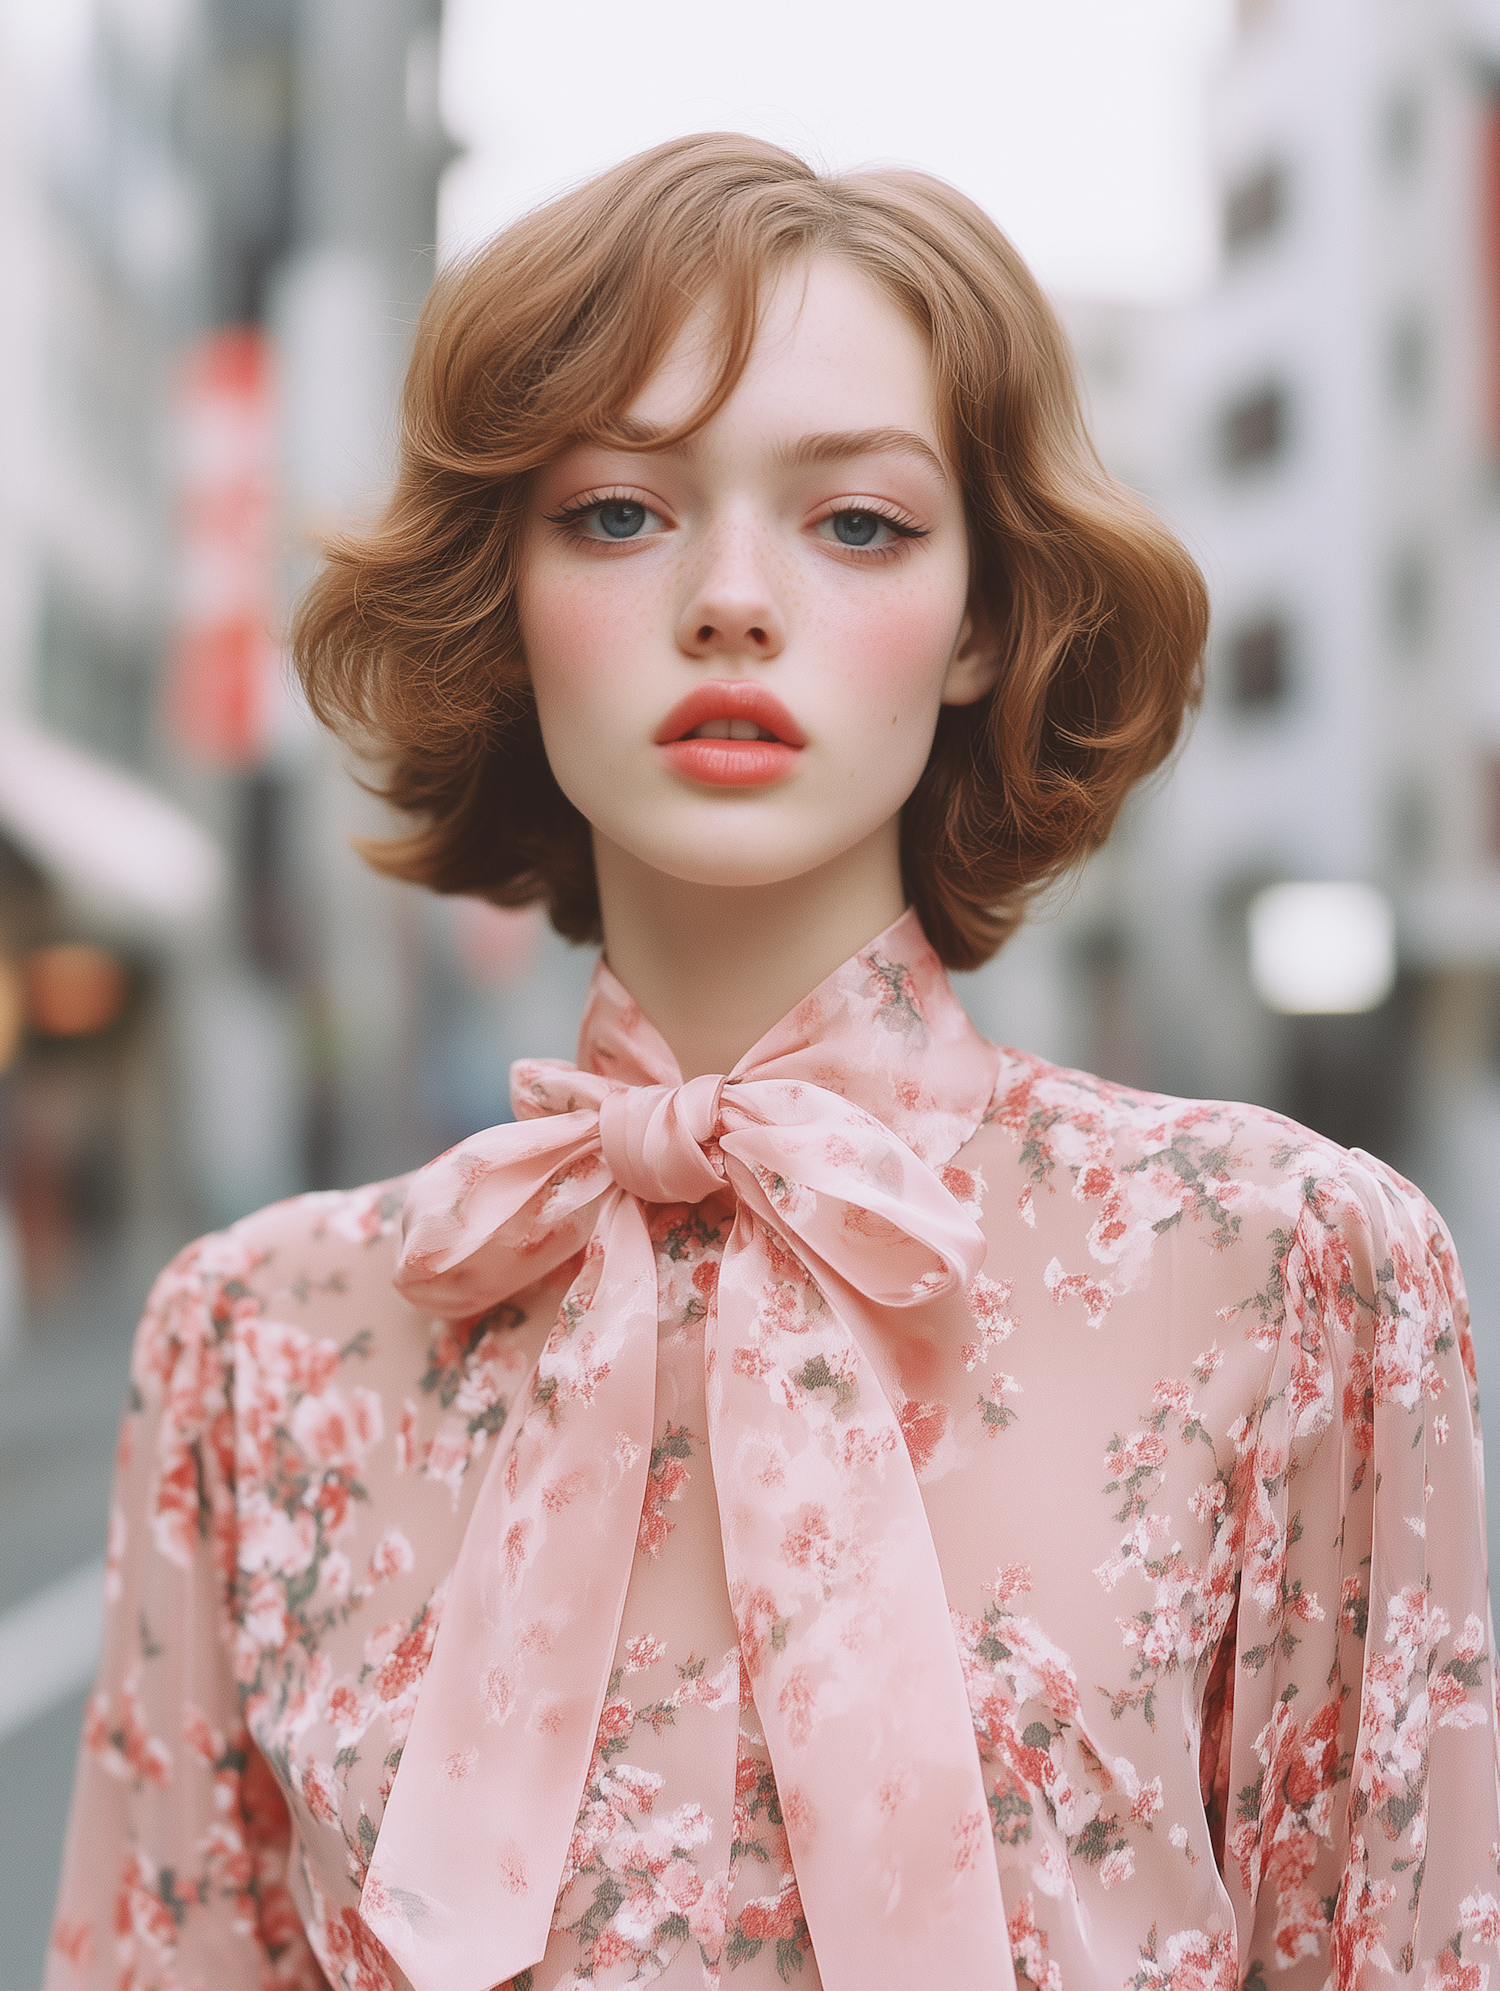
column 733, row 609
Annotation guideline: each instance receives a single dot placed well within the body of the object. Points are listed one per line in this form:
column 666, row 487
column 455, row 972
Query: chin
column 740, row 863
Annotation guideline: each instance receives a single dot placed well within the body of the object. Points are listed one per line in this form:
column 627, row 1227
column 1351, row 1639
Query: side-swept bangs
column 408, row 643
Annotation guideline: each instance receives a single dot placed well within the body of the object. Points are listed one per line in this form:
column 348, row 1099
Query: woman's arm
column 1362, row 1819
column 175, row 1870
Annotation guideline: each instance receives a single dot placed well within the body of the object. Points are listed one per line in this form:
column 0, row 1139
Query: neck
column 714, row 966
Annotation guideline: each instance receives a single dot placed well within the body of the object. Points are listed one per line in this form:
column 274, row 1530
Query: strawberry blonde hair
column 407, row 640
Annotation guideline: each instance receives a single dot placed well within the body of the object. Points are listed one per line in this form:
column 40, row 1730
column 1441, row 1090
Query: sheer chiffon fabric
column 735, row 1585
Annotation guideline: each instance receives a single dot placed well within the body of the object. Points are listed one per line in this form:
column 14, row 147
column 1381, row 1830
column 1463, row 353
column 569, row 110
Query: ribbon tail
column 474, row 1842
column 845, row 1629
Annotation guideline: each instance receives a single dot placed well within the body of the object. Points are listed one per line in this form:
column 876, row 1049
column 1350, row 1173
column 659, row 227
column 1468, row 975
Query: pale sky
column 1079, row 124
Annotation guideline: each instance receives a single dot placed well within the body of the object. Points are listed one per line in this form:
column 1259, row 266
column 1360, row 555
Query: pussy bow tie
column 859, row 1692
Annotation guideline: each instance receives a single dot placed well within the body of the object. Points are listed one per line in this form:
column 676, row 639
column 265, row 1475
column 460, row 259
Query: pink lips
column 731, row 763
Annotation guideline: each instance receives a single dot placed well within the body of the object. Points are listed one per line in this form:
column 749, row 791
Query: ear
column 975, row 664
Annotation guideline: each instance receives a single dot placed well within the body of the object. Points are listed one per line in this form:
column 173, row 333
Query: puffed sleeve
column 174, row 1872
column 1363, row 1826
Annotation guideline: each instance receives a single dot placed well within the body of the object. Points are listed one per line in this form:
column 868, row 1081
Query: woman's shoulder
column 1116, row 1179
column 310, row 1263
column 1060, row 1120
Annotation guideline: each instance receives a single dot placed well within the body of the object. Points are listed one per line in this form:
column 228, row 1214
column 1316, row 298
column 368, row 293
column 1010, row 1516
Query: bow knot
column 655, row 1139
column 836, row 1218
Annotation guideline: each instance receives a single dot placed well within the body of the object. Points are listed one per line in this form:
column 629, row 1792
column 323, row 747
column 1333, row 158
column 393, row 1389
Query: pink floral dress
column 599, row 1580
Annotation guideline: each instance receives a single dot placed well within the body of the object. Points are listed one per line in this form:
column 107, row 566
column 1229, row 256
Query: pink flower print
column 809, row 1544
column 349, row 1712
column 1199, row 1960
column 969, row 1836
column 1448, row 1973
column 772, row 1918
column 406, row 1437
column 334, row 1577
column 616, row 1719
column 392, row 1556
column 354, row 1957
column 757, row 1615
column 339, row 1429
column 666, row 1480
column 273, row 1541
column 123, row 1743
column 988, row 1299
column 1471, row 1641
column 1480, row 1915
column 264, row 1625
column 1028, row 1948
column 643, row 1651
column 1207, row 1363
column 115, row 1556
column 1146, row 1802
column 175, row 1515
column 206, row 1743
column 1097, row 1296
column 923, row 1426
column 1116, row 1866
column 1172, row 1395
column 320, row 1789
column 399, row 1655
column 608, row 1947
column 631, row 1786
column 73, row 1941
column 1011, row 1580
column 798, row 1702
column 966, row 1186
column 141, row 1915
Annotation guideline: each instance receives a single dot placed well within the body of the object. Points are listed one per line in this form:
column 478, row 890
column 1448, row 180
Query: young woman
column 817, row 1498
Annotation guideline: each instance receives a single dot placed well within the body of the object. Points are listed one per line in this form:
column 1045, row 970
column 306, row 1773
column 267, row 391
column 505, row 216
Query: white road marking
column 49, row 1646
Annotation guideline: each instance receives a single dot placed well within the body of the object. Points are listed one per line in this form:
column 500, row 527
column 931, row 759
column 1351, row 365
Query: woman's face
column 739, row 645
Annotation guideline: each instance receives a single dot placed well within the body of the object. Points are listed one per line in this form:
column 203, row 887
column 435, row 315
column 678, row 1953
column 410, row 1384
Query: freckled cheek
column 895, row 659
column 578, row 639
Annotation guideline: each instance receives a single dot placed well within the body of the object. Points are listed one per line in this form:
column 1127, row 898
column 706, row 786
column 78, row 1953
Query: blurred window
column 1256, row 429
column 1255, row 208
column 1409, row 599
column 1259, row 659
column 95, row 678
column 1490, row 256
column 1401, row 128
column 1411, row 827
column 1408, row 356
column 1492, row 808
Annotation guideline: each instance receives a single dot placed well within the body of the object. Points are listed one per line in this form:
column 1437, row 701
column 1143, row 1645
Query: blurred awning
column 105, row 837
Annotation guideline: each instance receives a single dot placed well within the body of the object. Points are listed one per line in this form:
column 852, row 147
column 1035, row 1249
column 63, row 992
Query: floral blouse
column 1136, row 1436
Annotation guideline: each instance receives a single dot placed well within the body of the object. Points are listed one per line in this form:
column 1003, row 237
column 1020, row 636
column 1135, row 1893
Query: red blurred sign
column 224, row 665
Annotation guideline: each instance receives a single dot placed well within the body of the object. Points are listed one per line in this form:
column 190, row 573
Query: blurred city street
column 220, row 218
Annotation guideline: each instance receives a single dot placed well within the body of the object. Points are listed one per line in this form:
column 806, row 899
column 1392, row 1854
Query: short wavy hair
column 407, row 640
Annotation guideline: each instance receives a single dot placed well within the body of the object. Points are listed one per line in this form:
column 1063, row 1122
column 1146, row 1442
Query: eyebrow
column 827, row 446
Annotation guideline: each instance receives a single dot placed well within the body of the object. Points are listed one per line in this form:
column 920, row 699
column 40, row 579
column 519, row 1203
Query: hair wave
column 407, row 640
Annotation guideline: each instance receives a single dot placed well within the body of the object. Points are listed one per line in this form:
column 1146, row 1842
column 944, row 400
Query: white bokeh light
column 1322, row 950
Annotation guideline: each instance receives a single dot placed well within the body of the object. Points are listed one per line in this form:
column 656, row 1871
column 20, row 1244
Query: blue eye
column 620, row 518
column 856, row 528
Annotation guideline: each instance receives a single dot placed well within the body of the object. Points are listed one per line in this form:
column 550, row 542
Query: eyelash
column 570, row 517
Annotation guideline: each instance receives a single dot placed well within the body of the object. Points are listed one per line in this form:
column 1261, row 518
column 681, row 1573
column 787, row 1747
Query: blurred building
column 1323, row 428
column 219, row 221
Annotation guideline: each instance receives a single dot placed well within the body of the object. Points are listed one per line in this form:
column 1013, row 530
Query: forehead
column 832, row 351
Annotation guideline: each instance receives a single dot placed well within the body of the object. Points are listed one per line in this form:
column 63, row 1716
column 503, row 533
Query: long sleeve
column 1362, row 1813
column 175, row 1869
